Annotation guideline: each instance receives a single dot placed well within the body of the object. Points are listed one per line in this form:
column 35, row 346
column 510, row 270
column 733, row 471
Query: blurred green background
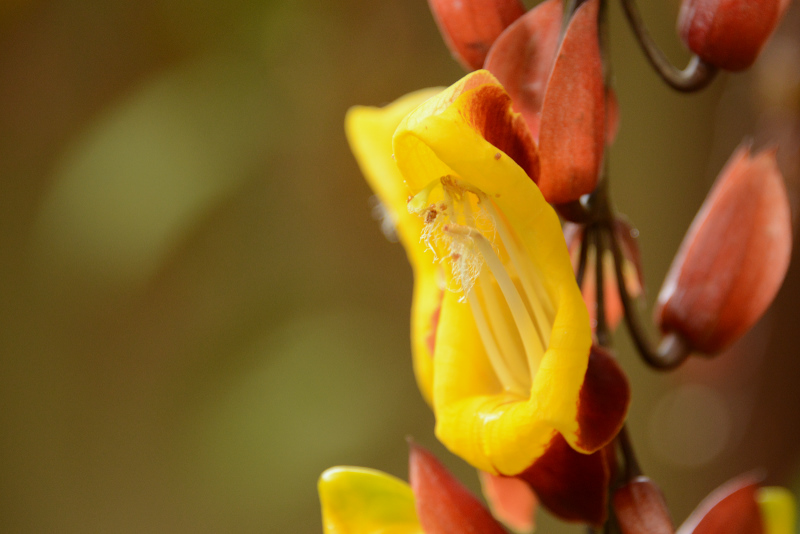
column 199, row 316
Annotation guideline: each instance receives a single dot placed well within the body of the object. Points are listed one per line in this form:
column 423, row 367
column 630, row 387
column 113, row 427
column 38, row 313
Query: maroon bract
column 574, row 486
column 734, row 257
column 729, row 33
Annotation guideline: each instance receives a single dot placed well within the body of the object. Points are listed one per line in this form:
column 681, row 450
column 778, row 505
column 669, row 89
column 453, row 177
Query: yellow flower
column 362, row 501
column 512, row 340
column 356, row 500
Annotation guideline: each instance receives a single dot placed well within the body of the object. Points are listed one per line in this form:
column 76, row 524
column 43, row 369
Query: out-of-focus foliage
column 198, row 315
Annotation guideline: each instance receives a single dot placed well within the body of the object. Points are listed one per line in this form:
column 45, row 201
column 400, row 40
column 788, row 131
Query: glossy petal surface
column 363, row 501
column 778, row 510
column 477, row 418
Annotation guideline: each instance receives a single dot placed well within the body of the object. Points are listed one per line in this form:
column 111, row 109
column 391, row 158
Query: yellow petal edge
column 778, row 510
column 356, row 500
column 369, row 131
column 475, row 417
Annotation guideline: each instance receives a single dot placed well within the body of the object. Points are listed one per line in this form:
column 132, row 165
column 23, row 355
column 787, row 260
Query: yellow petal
column 364, row 501
column 476, row 418
column 778, row 510
column 369, row 132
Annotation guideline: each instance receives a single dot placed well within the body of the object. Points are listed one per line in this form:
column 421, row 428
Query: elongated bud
column 573, row 124
column 729, row 33
column 444, row 506
column 640, row 508
column 469, row 27
column 734, row 257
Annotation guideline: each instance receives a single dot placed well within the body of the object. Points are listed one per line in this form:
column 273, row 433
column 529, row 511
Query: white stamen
column 507, row 378
column 534, row 349
column 534, row 291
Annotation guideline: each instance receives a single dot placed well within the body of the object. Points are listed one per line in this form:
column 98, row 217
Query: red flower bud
column 469, row 27
column 444, row 506
column 730, row 509
column 729, row 33
column 573, row 124
column 640, row 508
column 734, row 257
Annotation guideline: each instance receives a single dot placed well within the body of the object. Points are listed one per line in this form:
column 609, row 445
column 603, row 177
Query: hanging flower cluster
column 512, row 315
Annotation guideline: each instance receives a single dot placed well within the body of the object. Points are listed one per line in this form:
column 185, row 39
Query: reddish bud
column 733, row 258
column 640, row 508
column 444, row 506
column 730, row 509
column 729, row 33
column 572, row 130
column 522, row 58
column 469, row 27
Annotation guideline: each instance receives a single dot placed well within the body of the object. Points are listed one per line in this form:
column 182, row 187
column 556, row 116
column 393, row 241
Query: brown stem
column 601, row 328
column 672, row 350
column 632, row 469
column 697, row 74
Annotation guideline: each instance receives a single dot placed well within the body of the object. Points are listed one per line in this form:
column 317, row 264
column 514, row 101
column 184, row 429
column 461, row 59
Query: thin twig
column 697, row 74
column 632, row 469
column 580, row 274
column 601, row 328
column 672, row 351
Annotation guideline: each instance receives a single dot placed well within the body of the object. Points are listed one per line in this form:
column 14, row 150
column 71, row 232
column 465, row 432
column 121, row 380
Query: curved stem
column 632, row 469
column 584, row 253
column 694, row 77
column 672, row 350
column 601, row 328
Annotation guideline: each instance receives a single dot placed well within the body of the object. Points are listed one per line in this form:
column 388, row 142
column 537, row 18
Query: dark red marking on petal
column 603, row 402
column 444, row 505
column 490, row 113
column 573, row 486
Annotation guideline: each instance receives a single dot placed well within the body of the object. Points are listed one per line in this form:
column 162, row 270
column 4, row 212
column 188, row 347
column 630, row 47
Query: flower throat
column 512, row 310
